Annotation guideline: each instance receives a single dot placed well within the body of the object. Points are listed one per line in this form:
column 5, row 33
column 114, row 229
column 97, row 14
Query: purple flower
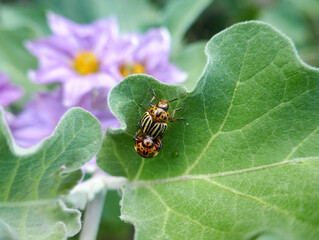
column 38, row 119
column 96, row 103
column 149, row 54
column 96, row 56
column 88, row 60
column 42, row 114
column 75, row 54
column 8, row 92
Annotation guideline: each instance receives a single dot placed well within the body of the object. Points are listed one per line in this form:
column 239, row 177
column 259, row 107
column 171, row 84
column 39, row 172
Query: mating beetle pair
column 153, row 126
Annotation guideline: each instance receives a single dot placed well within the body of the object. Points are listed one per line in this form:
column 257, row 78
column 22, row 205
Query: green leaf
column 111, row 224
column 297, row 20
column 179, row 15
column 246, row 160
column 289, row 19
column 15, row 59
column 15, row 16
column 32, row 180
column 191, row 60
column 124, row 10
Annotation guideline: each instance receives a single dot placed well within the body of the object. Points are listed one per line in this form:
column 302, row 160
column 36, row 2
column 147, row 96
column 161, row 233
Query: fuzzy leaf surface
column 32, row 180
column 245, row 162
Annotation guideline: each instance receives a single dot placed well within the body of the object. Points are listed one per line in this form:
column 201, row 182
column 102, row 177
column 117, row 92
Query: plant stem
column 92, row 217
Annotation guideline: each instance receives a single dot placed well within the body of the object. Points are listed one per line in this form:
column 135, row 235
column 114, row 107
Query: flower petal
column 38, row 119
column 51, row 74
column 8, row 93
column 168, row 73
column 53, row 47
column 76, row 87
column 86, row 36
column 154, row 47
column 96, row 102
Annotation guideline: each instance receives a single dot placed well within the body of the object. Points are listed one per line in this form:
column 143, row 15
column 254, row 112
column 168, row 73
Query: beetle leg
column 174, row 120
column 158, row 142
column 143, row 107
column 137, row 133
column 151, row 105
column 175, row 110
column 171, row 118
column 173, row 100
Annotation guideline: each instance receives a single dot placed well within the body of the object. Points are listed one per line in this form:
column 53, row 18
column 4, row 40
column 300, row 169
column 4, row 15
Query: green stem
column 92, row 217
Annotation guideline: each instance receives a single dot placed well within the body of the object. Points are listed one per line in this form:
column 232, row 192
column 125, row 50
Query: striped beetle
column 153, row 122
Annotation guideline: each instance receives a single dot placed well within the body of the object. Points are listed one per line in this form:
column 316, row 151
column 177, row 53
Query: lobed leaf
column 32, row 180
column 245, row 162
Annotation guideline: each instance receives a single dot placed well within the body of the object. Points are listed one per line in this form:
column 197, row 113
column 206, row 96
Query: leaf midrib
column 31, row 203
column 208, row 178
column 144, row 183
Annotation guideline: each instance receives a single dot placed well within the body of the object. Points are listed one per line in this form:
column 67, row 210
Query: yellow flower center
column 86, row 63
column 129, row 69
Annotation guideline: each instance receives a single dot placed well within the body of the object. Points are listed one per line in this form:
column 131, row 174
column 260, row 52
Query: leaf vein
column 220, row 174
column 12, row 180
column 301, row 143
column 270, row 111
column 55, row 158
column 205, row 114
column 245, row 195
column 140, row 169
column 119, row 158
column 168, row 209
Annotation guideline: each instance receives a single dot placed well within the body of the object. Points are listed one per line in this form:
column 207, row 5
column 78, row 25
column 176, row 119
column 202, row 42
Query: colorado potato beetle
column 147, row 146
column 153, row 122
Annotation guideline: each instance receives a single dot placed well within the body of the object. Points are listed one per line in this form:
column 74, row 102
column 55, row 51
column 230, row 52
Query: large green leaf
column 245, row 163
column 33, row 179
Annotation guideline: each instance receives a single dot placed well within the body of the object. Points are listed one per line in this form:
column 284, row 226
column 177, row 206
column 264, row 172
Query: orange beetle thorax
column 159, row 114
column 163, row 104
column 148, row 142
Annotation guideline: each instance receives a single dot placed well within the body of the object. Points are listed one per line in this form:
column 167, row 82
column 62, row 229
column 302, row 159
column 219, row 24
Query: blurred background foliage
column 191, row 24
